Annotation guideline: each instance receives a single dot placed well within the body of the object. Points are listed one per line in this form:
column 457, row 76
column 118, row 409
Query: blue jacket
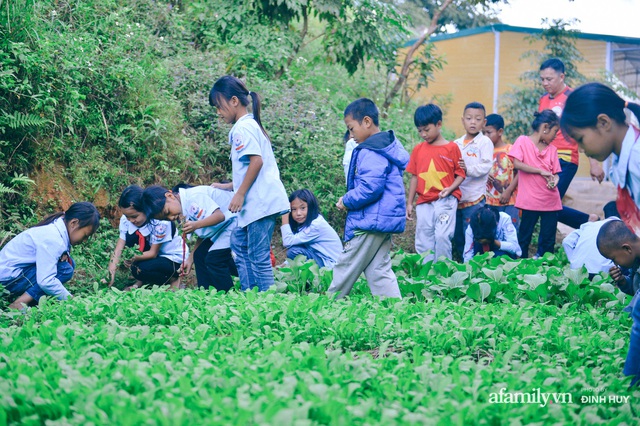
column 375, row 197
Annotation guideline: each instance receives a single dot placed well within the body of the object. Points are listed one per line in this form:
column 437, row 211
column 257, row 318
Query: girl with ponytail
column 259, row 195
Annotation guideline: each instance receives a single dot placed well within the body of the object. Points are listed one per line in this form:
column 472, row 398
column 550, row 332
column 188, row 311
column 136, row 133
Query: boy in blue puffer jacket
column 375, row 204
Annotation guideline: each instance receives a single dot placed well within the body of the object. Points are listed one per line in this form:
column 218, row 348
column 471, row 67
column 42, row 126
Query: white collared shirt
column 478, row 159
column 625, row 169
column 267, row 195
column 159, row 232
column 202, row 201
column 41, row 246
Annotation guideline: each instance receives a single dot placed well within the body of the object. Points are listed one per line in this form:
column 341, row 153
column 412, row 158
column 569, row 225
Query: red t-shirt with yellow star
column 436, row 168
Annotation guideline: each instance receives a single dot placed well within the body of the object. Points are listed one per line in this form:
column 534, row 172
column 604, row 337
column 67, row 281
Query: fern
column 6, row 190
column 19, row 120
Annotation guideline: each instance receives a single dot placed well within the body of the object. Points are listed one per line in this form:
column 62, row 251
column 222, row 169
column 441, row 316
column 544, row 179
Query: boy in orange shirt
column 503, row 179
column 436, row 176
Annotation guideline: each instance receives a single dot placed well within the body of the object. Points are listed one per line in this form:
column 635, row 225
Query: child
column 38, row 261
column 594, row 117
column 490, row 230
column 503, row 180
column 205, row 215
column 436, row 176
column 349, row 145
column 305, row 232
column 581, row 249
column 477, row 160
column 374, row 202
column 538, row 196
column 159, row 243
column 617, row 242
column 260, row 196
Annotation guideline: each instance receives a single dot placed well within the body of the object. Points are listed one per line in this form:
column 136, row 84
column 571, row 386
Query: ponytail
column 588, row 101
column 85, row 212
column 229, row 86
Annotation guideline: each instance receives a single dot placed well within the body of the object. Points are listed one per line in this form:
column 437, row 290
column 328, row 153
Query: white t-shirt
column 267, row 195
column 159, row 232
column 346, row 159
column 202, row 201
column 582, row 250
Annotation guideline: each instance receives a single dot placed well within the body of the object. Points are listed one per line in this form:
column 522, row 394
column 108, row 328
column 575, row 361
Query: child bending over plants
column 493, row 231
column 305, row 232
column 538, row 197
column 206, row 215
column 617, row 242
column 160, row 245
column 38, row 262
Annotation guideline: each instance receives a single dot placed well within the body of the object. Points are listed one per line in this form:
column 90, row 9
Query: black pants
column 547, row 237
column 155, row 271
column 214, row 267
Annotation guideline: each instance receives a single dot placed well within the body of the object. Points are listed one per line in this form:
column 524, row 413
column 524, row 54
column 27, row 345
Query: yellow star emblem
column 432, row 178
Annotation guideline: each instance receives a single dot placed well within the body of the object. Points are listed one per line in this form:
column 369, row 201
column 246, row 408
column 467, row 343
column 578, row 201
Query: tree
column 519, row 104
column 459, row 13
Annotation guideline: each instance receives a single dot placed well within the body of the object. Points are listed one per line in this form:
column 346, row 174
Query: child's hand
column 236, row 203
column 616, row 275
column 409, row 211
column 462, row 165
column 339, row 204
column 112, row 272
column 445, row 192
column 545, row 174
column 552, row 181
column 128, row 262
column 224, row 186
column 189, row 227
column 185, row 268
column 505, row 196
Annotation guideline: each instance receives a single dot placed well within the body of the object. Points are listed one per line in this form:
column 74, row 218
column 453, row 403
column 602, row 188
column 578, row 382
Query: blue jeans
column 632, row 364
column 307, row 252
column 570, row 217
column 463, row 217
column 252, row 246
column 27, row 281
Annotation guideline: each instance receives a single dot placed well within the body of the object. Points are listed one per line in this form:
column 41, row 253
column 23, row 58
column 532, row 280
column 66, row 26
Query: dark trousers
column 155, row 271
column 214, row 267
column 307, row 252
column 547, row 237
column 570, row 217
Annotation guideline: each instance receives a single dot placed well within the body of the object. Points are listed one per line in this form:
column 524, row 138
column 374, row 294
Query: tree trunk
column 404, row 71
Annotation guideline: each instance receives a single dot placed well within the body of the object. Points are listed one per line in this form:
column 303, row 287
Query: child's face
column 134, row 216
column 299, row 210
column 473, row 121
column 227, row 110
column 622, row 256
column 593, row 142
column 359, row 131
column 78, row 235
column 548, row 134
column 172, row 208
column 431, row 132
column 493, row 134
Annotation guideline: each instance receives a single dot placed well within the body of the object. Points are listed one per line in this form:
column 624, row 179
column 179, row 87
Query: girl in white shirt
column 37, row 261
column 305, row 232
column 205, row 215
column 259, row 196
column 160, row 245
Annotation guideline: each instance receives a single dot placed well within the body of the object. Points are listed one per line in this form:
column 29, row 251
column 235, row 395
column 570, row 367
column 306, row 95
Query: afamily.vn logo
column 533, row 397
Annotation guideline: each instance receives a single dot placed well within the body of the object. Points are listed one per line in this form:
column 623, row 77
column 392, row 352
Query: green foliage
column 520, row 103
column 200, row 357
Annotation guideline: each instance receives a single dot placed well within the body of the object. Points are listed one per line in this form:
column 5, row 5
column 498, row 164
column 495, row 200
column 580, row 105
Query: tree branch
column 404, row 71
